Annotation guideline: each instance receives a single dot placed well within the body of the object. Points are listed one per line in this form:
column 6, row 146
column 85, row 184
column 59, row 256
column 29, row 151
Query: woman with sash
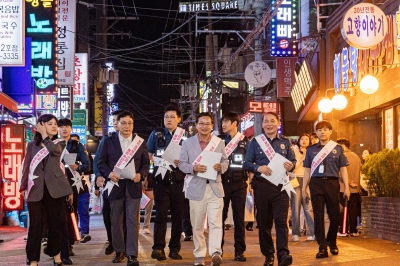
column 45, row 188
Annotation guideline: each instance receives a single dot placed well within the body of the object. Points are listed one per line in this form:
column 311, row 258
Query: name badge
column 321, row 169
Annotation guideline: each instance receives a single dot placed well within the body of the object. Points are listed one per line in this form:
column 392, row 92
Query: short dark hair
column 75, row 136
column 117, row 112
column 274, row 114
column 64, row 122
column 344, row 141
column 233, row 117
column 322, row 124
column 44, row 118
column 205, row 114
column 314, row 135
column 173, row 107
column 125, row 113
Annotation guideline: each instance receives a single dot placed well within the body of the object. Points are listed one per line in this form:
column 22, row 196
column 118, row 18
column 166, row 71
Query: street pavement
column 354, row 251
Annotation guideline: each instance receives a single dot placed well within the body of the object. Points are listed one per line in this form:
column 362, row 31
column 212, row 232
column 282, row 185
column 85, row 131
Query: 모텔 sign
column 364, row 26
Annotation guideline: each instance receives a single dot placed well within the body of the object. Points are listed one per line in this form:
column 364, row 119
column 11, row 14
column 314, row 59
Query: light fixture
column 339, row 101
column 325, row 105
column 369, row 84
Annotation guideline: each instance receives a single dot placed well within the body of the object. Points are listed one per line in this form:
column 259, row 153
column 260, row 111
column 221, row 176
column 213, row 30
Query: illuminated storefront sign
column 364, row 26
column 113, row 107
column 203, row 6
column 81, row 132
column 352, row 64
column 305, row 83
column 66, row 41
column 81, row 78
column 64, row 102
column 12, row 33
column 41, row 25
column 263, row 107
column 46, row 102
column 285, row 79
column 247, row 124
column 284, row 27
column 12, row 154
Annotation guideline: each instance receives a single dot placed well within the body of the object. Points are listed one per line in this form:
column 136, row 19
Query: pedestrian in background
column 46, row 188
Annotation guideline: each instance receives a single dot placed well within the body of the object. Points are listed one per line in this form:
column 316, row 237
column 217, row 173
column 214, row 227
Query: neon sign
column 12, row 152
column 263, row 107
column 41, row 25
column 284, row 27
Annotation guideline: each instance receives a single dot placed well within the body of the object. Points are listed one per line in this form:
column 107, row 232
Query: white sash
column 35, row 162
column 322, row 155
column 233, row 143
column 124, row 160
column 212, row 145
column 270, row 153
column 162, row 164
column 76, row 177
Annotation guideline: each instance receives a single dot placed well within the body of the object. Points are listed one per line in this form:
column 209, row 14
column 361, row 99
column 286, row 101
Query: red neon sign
column 12, row 153
column 263, row 107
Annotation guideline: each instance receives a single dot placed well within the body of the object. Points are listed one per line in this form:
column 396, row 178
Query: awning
column 8, row 102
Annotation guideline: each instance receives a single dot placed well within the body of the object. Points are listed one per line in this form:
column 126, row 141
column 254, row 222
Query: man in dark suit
column 124, row 192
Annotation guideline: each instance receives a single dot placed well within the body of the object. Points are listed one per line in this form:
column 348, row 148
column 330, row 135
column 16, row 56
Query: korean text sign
column 285, row 70
column 81, row 78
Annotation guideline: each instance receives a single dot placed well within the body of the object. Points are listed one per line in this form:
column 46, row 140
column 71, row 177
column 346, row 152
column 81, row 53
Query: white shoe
column 295, row 238
column 340, row 234
column 310, row 238
column 199, row 261
column 146, row 231
column 354, row 234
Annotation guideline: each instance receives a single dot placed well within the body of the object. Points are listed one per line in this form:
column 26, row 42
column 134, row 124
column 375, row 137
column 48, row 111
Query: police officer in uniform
column 168, row 191
column 325, row 188
column 271, row 202
column 234, row 183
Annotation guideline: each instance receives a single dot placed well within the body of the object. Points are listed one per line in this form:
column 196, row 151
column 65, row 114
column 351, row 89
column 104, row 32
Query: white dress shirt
column 124, row 142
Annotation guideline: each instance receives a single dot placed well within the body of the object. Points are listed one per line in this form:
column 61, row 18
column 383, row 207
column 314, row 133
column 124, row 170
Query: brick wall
column 380, row 217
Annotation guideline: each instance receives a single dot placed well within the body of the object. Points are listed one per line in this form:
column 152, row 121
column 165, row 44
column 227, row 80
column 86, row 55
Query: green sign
column 79, row 117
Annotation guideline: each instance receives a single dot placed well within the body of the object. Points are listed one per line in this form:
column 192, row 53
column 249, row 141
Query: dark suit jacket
column 49, row 174
column 109, row 156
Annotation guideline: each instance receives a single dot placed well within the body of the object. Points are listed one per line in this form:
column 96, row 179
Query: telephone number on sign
column 9, row 55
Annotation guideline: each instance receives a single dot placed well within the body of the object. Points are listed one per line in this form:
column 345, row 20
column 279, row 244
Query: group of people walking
column 201, row 175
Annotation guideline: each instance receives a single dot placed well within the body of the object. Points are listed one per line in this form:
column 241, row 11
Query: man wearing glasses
column 124, row 191
column 168, row 190
column 205, row 194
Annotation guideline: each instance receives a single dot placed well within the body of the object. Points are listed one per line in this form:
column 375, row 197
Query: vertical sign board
column 66, row 41
column 41, row 26
column 81, row 132
column 12, row 154
column 12, row 32
column 285, row 79
column 81, row 78
column 284, row 27
column 64, row 102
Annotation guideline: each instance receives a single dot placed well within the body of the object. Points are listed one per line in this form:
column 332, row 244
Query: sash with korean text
column 212, row 145
column 124, row 160
column 161, row 163
column 321, row 155
column 270, row 153
column 233, row 143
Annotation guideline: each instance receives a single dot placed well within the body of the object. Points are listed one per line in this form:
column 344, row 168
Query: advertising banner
column 81, row 78
column 285, row 78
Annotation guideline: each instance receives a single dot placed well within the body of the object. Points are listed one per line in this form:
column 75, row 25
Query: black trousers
column 55, row 213
column 186, row 224
column 67, row 226
column 168, row 197
column 272, row 207
column 325, row 192
column 107, row 217
column 238, row 198
column 352, row 205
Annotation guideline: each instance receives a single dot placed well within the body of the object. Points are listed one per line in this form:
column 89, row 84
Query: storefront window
column 389, row 128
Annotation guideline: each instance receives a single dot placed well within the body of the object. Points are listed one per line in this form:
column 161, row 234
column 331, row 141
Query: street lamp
column 325, row 105
column 339, row 102
column 369, row 84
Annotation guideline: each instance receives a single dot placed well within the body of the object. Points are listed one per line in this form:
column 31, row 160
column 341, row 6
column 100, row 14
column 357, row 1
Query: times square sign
column 203, row 6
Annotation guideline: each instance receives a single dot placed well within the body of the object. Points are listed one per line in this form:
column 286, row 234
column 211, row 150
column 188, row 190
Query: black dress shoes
column 67, row 261
column 285, row 260
column 239, row 256
column 322, row 253
column 118, row 257
column 57, row 263
column 269, row 261
column 109, row 250
column 174, row 255
column 158, row 254
column 249, row 226
column 71, row 251
column 333, row 249
column 132, row 261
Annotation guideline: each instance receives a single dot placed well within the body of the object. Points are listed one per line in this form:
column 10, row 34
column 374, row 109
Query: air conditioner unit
column 113, row 76
column 102, row 75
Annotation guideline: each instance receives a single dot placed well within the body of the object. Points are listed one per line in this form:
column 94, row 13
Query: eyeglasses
column 204, row 124
column 126, row 124
column 172, row 117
